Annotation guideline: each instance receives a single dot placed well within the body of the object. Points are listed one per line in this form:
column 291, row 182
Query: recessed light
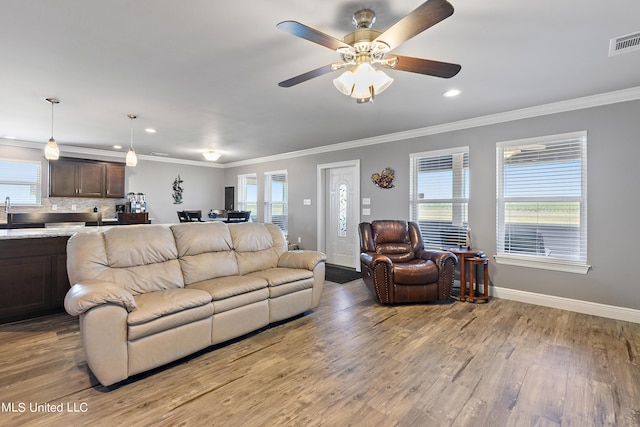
column 117, row 147
column 451, row 93
column 150, row 130
column 9, row 137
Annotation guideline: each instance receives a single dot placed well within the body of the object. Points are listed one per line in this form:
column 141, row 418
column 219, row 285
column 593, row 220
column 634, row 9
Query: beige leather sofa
column 151, row 294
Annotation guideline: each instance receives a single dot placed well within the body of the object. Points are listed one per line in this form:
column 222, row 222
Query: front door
column 341, row 216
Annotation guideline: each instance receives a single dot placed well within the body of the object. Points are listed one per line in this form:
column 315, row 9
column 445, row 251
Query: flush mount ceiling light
column 51, row 151
column 131, row 159
column 212, row 156
column 365, row 48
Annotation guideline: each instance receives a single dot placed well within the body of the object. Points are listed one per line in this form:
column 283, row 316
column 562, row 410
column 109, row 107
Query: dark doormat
column 337, row 274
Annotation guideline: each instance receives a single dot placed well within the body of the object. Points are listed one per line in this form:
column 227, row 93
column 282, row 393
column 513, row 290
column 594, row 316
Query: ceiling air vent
column 624, row 44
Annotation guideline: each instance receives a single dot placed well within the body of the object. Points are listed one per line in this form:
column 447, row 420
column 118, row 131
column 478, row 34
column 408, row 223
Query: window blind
column 276, row 205
column 541, row 198
column 439, row 196
column 21, row 181
column 248, row 194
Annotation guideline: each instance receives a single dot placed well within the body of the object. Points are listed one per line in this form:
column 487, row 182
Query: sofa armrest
column 301, row 259
column 91, row 293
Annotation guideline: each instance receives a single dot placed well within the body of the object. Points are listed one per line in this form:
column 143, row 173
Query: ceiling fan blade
column 424, row 16
column 310, row 75
column 422, row 66
column 311, row 34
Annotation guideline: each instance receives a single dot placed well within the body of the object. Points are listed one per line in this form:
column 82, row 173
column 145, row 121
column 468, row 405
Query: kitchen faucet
column 7, row 204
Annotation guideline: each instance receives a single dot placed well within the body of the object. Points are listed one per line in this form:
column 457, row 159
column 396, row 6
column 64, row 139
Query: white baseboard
column 585, row 307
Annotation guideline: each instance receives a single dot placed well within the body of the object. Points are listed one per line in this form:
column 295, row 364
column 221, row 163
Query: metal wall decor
column 177, row 190
column 383, row 179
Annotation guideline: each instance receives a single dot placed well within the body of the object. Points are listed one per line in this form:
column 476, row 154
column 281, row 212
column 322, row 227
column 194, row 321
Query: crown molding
column 624, row 95
column 615, row 97
column 70, row 149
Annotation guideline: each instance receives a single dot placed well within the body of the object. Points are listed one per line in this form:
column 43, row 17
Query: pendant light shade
column 131, row 159
column 51, row 151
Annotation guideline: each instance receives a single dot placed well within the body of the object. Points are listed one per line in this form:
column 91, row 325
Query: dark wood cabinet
column 34, row 277
column 115, row 180
column 90, row 178
column 62, row 178
column 85, row 178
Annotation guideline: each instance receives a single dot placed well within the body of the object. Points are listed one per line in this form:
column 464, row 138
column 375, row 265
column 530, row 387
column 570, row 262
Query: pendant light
column 51, row 151
column 132, row 159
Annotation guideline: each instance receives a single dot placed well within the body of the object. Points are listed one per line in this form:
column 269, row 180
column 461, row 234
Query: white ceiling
column 204, row 73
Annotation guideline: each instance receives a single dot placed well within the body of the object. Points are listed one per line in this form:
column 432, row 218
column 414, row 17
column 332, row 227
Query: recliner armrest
column 438, row 257
column 86, row 295
column 372, row 259
column 301, row 259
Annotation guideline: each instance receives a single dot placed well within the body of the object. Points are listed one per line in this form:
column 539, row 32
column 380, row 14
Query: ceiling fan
column 365, row 47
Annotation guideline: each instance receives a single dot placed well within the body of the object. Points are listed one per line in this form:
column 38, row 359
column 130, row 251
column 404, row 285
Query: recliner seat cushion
column 232, row 292
column 165, row 310
column 415, row 272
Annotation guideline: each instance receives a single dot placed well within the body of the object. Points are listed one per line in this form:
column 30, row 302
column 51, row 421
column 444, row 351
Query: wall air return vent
column 624, row 44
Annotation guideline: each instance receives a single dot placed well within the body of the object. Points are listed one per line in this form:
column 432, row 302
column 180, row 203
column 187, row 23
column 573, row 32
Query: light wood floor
column 349, row 362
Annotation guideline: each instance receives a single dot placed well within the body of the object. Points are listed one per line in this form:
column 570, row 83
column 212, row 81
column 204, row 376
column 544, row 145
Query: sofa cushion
column 255, row 247
column 149, row 278
column 195, row 238
column 225, row 287
column 139, row 245
column 143, row 258
column 233, row 291
column 153, row 305
column 281, row 276
column 166, row 324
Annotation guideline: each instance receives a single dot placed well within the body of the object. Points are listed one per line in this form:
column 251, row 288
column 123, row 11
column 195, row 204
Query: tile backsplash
column 65, row 204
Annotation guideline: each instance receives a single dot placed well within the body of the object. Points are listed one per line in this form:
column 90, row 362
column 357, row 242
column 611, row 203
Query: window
column 20, row 180
column 542, row 202
column 248, row 194
column 439, row 196
column 276, row 195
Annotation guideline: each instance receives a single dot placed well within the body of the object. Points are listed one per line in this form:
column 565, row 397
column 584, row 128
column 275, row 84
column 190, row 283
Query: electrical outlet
column 54, row 207
column 73, row 207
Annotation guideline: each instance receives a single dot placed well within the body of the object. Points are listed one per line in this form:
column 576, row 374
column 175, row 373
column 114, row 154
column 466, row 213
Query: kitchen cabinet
column 115, row 180
column 34, row 277
column 85, row 178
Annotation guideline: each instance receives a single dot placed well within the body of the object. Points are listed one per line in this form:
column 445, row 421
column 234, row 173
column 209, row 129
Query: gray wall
column 202, row 186
column 613, row 150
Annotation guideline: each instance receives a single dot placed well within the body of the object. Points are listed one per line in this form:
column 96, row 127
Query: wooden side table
column 463, row 254
column 474, row 263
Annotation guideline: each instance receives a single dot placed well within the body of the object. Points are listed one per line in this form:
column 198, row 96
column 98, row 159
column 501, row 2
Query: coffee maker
column 136, row 202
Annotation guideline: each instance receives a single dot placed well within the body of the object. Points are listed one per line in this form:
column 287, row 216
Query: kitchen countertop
column 37, row 233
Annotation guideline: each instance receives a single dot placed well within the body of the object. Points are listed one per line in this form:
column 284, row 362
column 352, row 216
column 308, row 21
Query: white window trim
column 268, row 196
column 38, row 202
column 413, row 184
column 531, row 261
column 242, row 192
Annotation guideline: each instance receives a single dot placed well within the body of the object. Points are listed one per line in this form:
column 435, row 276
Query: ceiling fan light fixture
column 362, row 82
column 51, row 151
column 212, row 156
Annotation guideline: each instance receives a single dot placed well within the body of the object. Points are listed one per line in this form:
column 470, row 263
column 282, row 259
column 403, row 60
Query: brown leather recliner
column 397, row 269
